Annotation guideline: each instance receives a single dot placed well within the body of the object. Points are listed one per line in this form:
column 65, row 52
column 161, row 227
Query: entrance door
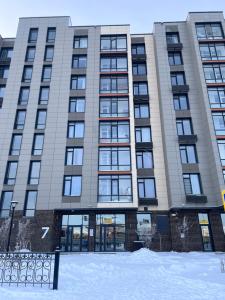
column 74, row 235
column 207, row 244
column 108, row 238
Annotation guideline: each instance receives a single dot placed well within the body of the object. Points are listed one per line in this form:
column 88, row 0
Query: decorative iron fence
column 28, row 268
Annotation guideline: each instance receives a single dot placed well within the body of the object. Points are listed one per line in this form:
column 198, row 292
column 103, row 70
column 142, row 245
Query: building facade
column 109, row 140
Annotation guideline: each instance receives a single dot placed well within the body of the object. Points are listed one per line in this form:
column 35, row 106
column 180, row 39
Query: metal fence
column 28, row 268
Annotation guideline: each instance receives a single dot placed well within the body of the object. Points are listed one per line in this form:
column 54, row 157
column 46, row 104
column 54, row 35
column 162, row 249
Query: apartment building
column 110, row 139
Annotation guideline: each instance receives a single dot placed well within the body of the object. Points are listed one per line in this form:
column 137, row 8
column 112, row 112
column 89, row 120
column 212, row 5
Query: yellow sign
column 223, row 198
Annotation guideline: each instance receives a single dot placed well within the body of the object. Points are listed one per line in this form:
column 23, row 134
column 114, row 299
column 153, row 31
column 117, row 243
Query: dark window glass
column 114, row 132
column 6, row 203
column 51, row 33
column 10, row 174
column 46, row 73
column 15, row 144
column 146, row 188
column 2, row 91
column 175, row 58
column 75, row 130
column 219, row 122
column 172, row 38
column 6, row 53
column 34, row 172
column 79, row 61
column 27, row 74
column 143, row 134
column 20, row 119
column 4, row 72
column 177, row 78
column 180, row 102
column 38, row 144
column 141, row 111
column 74, row 156
column 33, row 35
column 140, row 88
column 212, row 51
column 114, row 107
column 192, row 184
column 110, row 64
column 41, row 119
column 221, row 146
column 30, row 203
column 77, row 105
column 209, row 31
column 24, row 95
column 188, row 154
column 144, row 159
column 217, row 97
column 49, row 53
column 138, row 49
column 139, row 69
column 80, row 42
column 72, row 186
column 44, row 95
column 115, row 43
column 30, row 54
column 78, row 82
column 214, row 73
column 184, row 127
column 114, row 159
column 114, row 84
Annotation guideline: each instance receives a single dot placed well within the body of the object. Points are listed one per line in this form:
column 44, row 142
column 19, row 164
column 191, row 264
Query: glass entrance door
column 77, row 238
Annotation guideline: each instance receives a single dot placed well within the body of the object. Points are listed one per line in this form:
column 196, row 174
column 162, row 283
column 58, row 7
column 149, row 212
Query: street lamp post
column 12, row 207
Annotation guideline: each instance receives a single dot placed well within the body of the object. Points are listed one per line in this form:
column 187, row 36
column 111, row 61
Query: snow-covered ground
column 134, row 276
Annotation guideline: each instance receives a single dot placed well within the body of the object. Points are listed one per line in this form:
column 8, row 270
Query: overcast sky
column 139, row 13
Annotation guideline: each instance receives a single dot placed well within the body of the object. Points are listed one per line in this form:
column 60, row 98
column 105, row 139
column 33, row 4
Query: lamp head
column 13, row 203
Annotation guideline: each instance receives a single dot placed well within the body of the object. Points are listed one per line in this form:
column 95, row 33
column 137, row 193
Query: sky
column 141, row 14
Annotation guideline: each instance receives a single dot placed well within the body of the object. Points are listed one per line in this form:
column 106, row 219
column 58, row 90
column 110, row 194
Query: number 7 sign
column 46, row 230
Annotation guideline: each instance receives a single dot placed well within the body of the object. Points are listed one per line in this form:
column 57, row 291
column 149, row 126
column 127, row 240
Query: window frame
column 17, row 125
column 51, row 40
column 9, row 179
column 43, row 75
column 138, row 109
column 177, row 98
column 113, row 102
column 114, row 80
column 141, row 181
column 140, row 153
column 187, row 158
column 188, row 176
column 79, row 38
column 24, row 77
column 181, row 121
column 137, row 89
column 76, row 78
column 21, row 101
column 72, row 150
column 38, row 125
column 34, row 180
column 71, row 185
column 139, row 130
column 25, row 209
column 3, row 210
column 114, row 155
column 112, row 125
column 111, row 39
column 40, row 100
column 207, row 28
column 46, row 58
column 30, row 40
column 34, row 149
column 73, row 124
column 11, row 150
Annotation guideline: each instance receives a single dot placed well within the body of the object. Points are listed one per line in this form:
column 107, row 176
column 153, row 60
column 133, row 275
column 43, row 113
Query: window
column 15, row 144
column 34, row 172
column 114, row 107
column 223, row 221
column 214, row 73
column 33, row 35
column 114, row 132
column 74, row 156
column 27, row 74
column 51, row 33
column 114, row 188
column 30, row 54
column 4, row 72
column 217, row 97
column 38, row 144
column 80, row 42
column 10, row 174
column 146, row 188
column 144, row 159
column 212, row 51
column 6, row 53
column 180, row 102
column 2, row 91
column 221, row 146
column 138, row 49
column 72, row 186
column 172, row 38
column 77, row 105
column 49, row 53
column 139, row 69
column 113, row 42
column 114, row 84
column 44, row 95
column 78, row 82
column 114, row 159
column 79, row 61
column 143, row 225
column 141, row 111
column 143, row 134
column 184, row 127
column 41, row 119
column 24, row 95
column 188, row 154
column 46, row 73
column 192, row 184
column 20, row 119
column 177, row 78
column 209, row 31
column 30, row 203
column 224, row 175
column 113, row 64
column 175, row 58
column 75, row 130
column 140, row 88
column 219, row 122
column 6, row 203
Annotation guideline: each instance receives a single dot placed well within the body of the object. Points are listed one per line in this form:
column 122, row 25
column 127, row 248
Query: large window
column 144, row 159
column 72, row 186
column 114, row 188
column 15, row 144
column 30, row 203
column 143, row 225
column 214, row 73
column 46, row 73
column 146, row 188
column 27, row 74
column 172, row 38
column 177, row 78
column 78, row 82
column 77, row 105
column 114, row 159
column 114, row 43
column 140, row 88
column 180, row 102
column 114, row 107
column 175, row 58
column 30, row 54
column 114, row 132
column 2, row 91
column 143, row 134
column 216, row 97
column 4, row 72
column 139, row 69
column 192, row 184
column 79, row 61
column 6, row 53
column 221, row 146
column 114, row 84
column 209, row 31
column 34, row 172
column 188, row 154
column 212, row 51
column 41, row 119
column 141, row 111
column 112, row 64
column 20, row 119
column 49, row 53
column 44, row 95
column 10, row 174
column 184, row 127
column 24, row 95
column 51, row 33
column 219, row 122
column 74, row 156
column 33, row 35
column 38, row 144
column 75, row 130
column 80, row 42
column 6, row 203
column 138, row 49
